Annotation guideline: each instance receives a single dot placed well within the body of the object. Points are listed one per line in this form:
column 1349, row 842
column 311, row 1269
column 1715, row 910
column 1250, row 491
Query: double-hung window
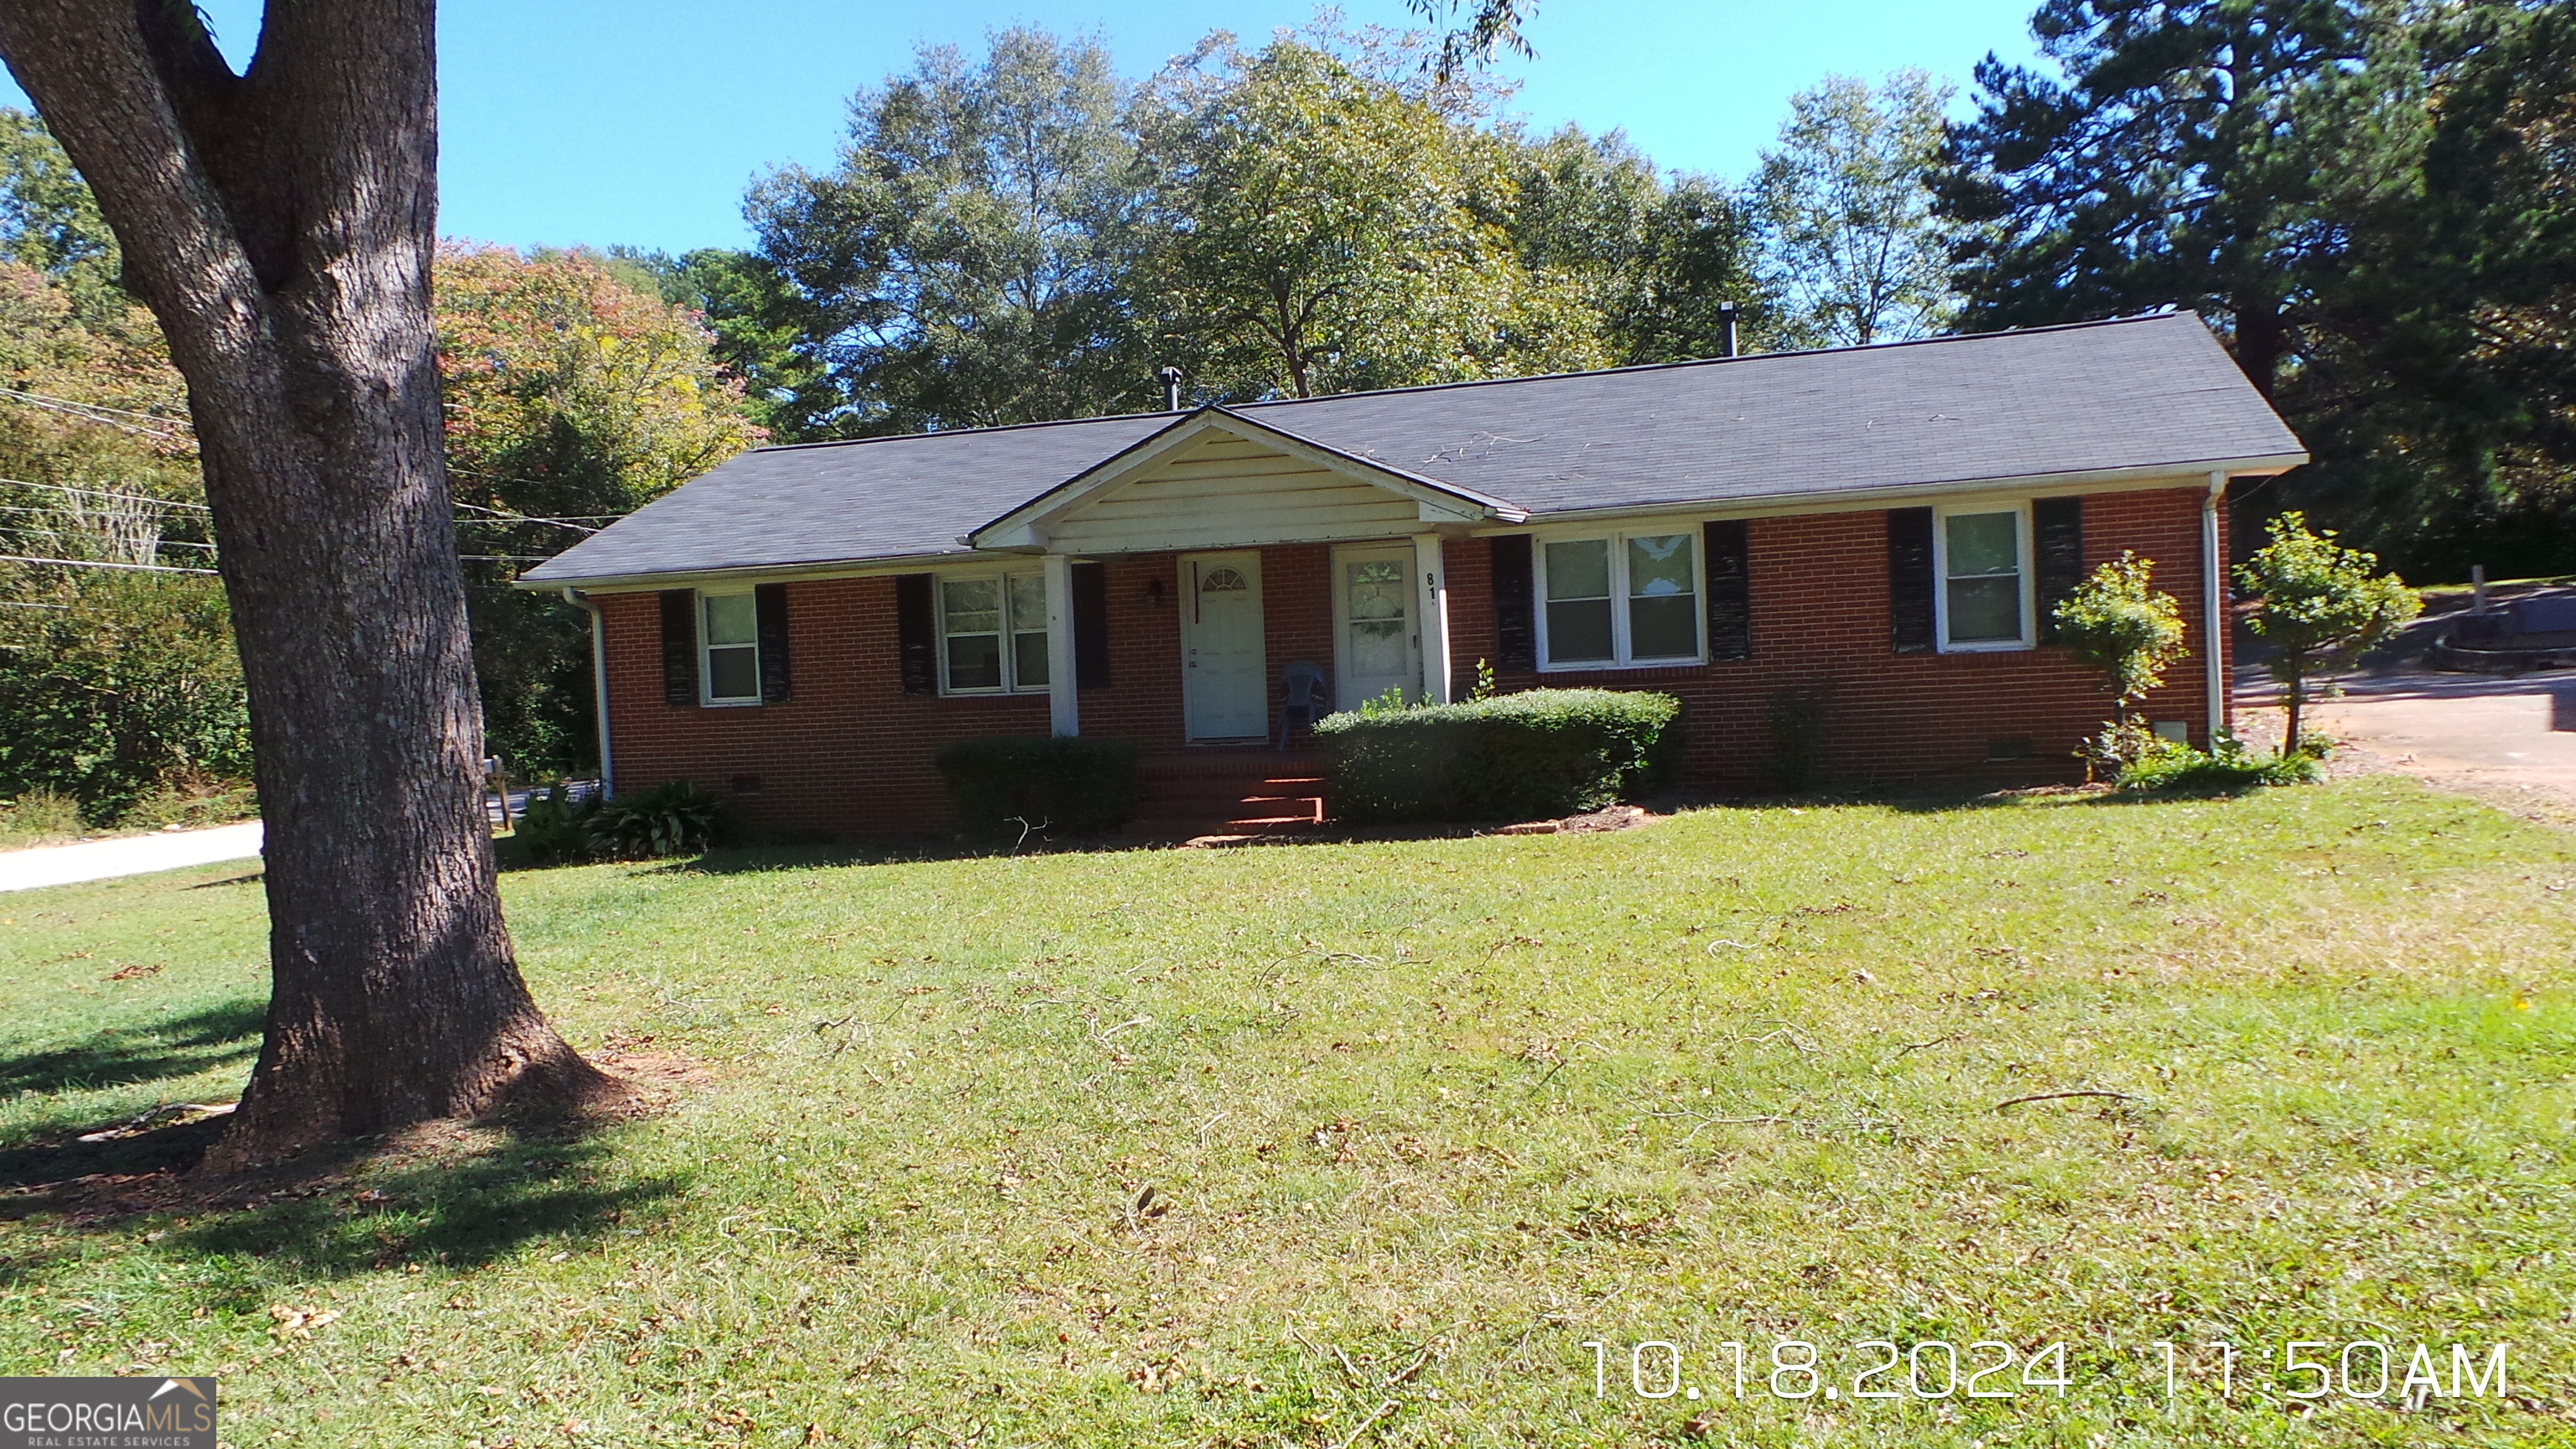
column 729, row 648
column 1623, row 599
column 993, row 634
column 1981, row 555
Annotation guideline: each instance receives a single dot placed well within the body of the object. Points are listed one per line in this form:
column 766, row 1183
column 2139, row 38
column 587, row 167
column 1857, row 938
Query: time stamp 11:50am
column 2293, row 1370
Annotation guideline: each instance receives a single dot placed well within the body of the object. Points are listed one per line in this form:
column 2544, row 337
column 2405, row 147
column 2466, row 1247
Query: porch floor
column 1225, row 794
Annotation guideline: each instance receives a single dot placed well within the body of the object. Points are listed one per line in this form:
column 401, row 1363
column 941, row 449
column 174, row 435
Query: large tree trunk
column 281, row 224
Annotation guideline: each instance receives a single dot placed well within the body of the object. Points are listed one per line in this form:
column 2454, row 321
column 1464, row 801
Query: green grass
column 1455, row 1107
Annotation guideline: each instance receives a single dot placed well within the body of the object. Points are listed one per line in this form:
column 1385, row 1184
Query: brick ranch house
column 806, row 625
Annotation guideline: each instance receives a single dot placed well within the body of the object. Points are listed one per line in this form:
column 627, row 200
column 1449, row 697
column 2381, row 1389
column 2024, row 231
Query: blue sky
column 641, row 121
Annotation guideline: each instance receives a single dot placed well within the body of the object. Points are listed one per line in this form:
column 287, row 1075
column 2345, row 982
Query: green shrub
column 40, row 815
column 1513, row 757
column 673, row 819
column 554, row 828
column 114, row 688
column 2171, row 765
column 1014, row 787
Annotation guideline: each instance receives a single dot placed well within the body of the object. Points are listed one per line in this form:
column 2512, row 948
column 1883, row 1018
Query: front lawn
column 1345, row 1145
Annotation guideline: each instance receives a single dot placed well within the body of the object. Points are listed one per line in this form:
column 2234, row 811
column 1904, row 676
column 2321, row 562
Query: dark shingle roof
column 2146, row 392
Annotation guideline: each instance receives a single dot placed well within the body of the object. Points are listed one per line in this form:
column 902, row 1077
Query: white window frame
column 2026, row 548
column 1617, row 538
column 707, row 646
column 1011, row 630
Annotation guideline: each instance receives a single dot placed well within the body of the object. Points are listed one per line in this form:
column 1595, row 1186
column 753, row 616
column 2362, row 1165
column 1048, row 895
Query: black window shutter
column 680, row 647
column 2057, row 537
column 916, row 634
column 1091, row 626
column 1909, row 580
column 1515, row 607
column 769, row 608
column 1730, row 588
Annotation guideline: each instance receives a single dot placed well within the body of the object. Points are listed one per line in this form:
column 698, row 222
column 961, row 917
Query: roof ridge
column 1636, row 367
column 962, row 432
column 1946, row 337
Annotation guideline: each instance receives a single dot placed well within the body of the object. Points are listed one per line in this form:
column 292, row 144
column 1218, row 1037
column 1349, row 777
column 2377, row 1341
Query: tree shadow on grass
column 446, row 1194
column 157, row 1050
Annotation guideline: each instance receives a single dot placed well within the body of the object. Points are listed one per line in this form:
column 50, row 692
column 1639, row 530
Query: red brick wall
column 1820, row 618
column 851, row 752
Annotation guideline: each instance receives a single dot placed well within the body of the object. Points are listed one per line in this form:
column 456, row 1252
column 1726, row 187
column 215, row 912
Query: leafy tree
column 280, row 224
column 90, row 402
column 2117, row 622
column 2437, row 391
column 2321, row 606
column 50, row 221
column 961, row 266
column 1323, row 228
column 573, row 396
column 742, row 299
column 2174, row 162
column 1479, row 30
column 1651, row 257
column 1846, row 207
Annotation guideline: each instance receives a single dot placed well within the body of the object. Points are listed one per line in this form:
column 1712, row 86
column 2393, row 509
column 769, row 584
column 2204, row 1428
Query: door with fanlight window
column 1225, row 689
column 1375, row 644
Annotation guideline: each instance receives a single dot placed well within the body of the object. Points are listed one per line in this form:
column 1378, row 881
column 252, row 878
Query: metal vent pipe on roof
column 1170, row 378
column 1726, row 320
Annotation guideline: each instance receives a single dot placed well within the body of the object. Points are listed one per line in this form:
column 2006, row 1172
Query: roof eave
column 734, row 573
column 1018, row 529
column 2138, row 475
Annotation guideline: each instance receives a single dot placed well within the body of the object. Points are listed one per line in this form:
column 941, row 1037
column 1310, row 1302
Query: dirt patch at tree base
column 150, row 1164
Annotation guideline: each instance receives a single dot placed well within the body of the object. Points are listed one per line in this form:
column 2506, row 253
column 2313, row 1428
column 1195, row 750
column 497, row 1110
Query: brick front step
column 1228, row 795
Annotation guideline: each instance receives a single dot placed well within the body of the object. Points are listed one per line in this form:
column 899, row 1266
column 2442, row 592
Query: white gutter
column 598, row 685
column 2213, row 604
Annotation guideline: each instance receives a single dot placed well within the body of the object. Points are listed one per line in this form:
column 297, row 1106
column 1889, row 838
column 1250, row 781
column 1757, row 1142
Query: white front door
column 1225, row 687
column 1375, row 645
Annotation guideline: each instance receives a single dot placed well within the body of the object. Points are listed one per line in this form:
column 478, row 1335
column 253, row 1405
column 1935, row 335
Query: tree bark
column 280, row 224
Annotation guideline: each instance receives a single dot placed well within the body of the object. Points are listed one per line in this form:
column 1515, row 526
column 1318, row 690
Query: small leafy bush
column 673, row 819
column 2170, row 765
column 41, row 815
column 1012, row 787
column 1520, row 756
column 554, row 828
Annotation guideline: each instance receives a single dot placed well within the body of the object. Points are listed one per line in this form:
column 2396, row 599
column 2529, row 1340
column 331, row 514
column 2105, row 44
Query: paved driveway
column 127, row 855
column 2505, row 738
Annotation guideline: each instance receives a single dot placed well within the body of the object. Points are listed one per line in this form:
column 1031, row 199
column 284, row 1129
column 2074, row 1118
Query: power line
column 573, row 521
column 98, row 407
column 91, row 413
column 84, row 563
column 107, row 493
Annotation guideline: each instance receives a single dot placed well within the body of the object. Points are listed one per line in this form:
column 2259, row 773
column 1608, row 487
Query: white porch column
column 1064, row 710
column 1431, row 603
column 2213, row 608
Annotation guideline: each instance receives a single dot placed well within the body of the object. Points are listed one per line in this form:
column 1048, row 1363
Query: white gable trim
column 1435, row 502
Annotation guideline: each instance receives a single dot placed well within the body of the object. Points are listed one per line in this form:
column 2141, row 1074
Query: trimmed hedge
column 1544, row 752
column 1008, row 786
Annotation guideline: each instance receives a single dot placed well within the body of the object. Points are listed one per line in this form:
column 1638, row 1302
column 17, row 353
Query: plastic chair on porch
column 1306, row 699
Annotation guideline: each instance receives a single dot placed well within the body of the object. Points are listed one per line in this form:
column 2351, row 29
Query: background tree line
column 2373, row 203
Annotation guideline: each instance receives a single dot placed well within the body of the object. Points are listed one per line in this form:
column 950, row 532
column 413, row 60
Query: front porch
column 1228, row 517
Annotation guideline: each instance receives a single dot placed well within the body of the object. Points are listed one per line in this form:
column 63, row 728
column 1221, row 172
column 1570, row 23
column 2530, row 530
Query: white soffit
column 1218, row 479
